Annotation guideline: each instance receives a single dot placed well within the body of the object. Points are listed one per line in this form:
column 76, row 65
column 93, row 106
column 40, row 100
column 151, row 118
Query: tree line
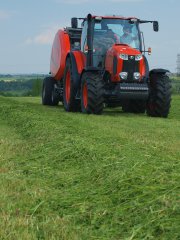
column 31, row 87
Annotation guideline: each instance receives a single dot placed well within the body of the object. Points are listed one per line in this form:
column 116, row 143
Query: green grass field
column 71, row 176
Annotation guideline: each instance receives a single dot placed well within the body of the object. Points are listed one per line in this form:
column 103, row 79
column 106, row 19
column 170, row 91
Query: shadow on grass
column 120, row 113
column 114, row 112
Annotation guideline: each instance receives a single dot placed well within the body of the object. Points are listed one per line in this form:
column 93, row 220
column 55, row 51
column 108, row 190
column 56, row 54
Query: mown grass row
column 74, row 176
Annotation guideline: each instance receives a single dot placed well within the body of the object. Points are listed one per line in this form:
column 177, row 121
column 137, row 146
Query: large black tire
column 134, row 106
column 159, row 102
column 69, row 91
column 92, row 91
column 49, row 93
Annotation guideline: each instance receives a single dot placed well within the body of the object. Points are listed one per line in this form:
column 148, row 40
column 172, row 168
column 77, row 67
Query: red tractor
column 104, row 64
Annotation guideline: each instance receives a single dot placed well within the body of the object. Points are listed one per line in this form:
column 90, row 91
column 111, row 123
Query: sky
column 27, row 29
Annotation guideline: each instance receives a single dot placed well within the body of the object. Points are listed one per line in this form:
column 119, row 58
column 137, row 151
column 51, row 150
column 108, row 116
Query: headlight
column 123, row 75
column 138, row 57
column 123, row 56
column 137, row 75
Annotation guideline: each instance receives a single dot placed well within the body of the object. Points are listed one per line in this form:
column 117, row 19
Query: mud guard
column 158, row 71
column 146, row 67
column 75, row 73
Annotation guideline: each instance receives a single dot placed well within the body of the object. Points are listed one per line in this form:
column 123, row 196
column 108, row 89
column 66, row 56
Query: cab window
column 84, row 37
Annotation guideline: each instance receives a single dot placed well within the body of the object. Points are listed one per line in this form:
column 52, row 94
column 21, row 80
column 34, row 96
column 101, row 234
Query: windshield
column 117, row 31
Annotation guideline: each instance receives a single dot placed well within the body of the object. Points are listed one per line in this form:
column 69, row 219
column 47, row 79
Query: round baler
column 60, row 49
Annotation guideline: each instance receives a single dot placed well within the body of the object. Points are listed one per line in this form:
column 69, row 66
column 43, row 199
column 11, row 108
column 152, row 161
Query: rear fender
column 77, row 64
column 80, row 59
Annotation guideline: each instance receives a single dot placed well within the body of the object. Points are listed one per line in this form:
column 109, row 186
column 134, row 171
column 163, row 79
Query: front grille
column 130, row 66
column 127, row 91
column 133, row 87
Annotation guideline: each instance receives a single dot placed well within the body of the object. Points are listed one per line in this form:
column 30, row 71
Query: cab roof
column 114, row 17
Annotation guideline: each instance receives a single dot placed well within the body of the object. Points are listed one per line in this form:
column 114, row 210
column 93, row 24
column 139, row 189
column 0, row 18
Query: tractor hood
column 124, row 49
column 123, row 59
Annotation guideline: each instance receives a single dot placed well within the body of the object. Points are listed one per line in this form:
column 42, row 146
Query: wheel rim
column 85, row 95
column 68, row 86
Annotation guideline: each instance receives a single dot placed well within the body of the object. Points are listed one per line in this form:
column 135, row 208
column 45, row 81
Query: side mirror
column 74, row 23
column 86, row 49
column 156, row 26
column 149, row 51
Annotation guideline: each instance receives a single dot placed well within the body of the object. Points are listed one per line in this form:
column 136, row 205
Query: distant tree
column 21, row 86
column 36, row 87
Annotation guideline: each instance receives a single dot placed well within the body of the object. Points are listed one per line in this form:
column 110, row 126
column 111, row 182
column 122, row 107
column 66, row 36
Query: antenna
column 178, row 64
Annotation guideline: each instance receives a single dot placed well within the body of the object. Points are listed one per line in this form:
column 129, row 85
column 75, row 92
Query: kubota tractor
column 104, row 64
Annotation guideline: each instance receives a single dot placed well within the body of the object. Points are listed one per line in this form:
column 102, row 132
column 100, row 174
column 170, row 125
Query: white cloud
column 4, row 15
column 29, row 41
column 45, row 37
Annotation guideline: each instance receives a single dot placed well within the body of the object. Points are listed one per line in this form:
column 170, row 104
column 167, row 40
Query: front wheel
column 92, row 90
column 159, row 102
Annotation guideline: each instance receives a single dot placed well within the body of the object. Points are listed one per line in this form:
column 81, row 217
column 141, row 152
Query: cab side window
column 84, row 37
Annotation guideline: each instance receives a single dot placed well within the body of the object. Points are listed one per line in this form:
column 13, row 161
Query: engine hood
column 124, row 49
column 121, row 58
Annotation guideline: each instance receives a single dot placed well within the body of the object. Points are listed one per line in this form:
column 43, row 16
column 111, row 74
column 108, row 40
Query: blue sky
column 27, row 29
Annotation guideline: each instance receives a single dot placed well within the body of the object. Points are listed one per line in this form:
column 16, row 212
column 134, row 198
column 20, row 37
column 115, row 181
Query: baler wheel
column 49, row 94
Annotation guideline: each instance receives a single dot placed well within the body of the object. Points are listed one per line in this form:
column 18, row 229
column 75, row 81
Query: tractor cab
column 114, row 44
column 106, row 32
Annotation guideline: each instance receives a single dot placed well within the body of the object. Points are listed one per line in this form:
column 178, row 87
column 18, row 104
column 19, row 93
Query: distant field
column 11, row 78
column 176, row 78
column 21, row 85
column 30, row 85
column 72, row 176
column 175, row 85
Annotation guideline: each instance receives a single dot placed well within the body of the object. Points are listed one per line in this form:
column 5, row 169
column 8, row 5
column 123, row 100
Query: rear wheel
column 69, row 91
column 159, row 102
column 49, row 93
column 92, row 90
